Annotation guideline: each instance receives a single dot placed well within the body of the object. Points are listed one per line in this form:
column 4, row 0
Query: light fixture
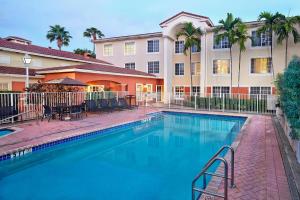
column 27, row 59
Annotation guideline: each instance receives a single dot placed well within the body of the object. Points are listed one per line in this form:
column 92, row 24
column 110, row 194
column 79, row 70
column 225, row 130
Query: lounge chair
column 47, row 113
column 123, row 104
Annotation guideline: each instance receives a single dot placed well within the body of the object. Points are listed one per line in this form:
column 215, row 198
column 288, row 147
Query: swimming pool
column 5, row 131
column 153, row 159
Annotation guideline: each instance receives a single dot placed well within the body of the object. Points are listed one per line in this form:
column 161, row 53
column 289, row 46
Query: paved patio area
column 259, row 170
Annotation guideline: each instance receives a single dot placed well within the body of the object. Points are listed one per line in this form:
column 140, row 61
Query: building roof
column 130, row 37
column 209, row 22
column 16, row 71
column 66, row 81
column 96, row 68
column 47, row 52
column 8, row 38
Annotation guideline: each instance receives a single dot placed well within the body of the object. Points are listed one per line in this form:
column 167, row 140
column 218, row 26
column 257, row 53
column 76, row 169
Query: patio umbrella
column 66, row 81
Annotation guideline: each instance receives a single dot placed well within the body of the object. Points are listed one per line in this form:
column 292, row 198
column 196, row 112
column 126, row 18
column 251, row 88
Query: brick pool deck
column 259, row 171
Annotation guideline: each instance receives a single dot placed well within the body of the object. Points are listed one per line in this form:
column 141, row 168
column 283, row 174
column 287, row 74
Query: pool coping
column 23, row 150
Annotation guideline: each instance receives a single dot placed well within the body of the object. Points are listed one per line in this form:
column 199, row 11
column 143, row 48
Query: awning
column 66, row 81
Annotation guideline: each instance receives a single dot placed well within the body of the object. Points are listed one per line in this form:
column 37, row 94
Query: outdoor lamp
column 27, row 60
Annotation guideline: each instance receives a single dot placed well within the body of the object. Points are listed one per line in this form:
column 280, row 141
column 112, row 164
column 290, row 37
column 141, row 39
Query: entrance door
column 159, row 93
column 139, row 91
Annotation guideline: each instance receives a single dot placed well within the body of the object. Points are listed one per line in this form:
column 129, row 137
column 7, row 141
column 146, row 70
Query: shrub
column 288, row 85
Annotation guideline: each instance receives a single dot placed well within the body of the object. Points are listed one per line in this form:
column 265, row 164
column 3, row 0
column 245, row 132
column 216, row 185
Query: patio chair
column 47, row 113
column 114, row 104
column 125, row 105
column 91, row 105
column 104, row 105
column 76, row 111
column 84, row 108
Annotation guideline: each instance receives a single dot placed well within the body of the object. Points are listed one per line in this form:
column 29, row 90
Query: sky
column 31, row 18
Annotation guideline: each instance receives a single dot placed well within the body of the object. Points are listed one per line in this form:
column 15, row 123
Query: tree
column 284, row 27
column 270, row 21
column 94, row 34
column 83, row 51
column 241, row 36
column 192, row 38
column 226, row 29
column 59, row 34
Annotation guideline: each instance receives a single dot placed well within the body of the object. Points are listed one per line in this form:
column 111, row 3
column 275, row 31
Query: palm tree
column 59, row 34
column 284, row 28
column 241, row 36
column 192, row 37
column 269, row 23
column 94, row 34
column 227, row 30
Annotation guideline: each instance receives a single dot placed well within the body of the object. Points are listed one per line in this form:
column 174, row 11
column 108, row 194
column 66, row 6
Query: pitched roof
column 187, row 13
column 16, row 71
column 16, row 38
column 66, row 81
column 92, row 68
column 130, row 37
column 47, row 52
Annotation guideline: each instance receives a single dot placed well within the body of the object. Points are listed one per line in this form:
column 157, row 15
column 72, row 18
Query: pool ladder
column 224, row 176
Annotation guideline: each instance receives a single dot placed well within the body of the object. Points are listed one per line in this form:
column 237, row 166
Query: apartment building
column 161, row 54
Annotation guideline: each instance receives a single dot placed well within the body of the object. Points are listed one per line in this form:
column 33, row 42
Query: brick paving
column 259, row 171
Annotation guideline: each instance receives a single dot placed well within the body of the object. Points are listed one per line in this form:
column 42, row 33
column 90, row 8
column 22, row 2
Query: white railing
column 26, row 106
column 242, row 103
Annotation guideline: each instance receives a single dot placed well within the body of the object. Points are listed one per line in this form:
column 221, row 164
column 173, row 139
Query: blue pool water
column 5, row 131
column 157, row 159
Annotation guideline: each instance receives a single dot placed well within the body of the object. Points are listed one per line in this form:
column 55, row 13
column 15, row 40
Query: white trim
column 93, row 72
column 175, row 47
column 112, row 50
column 153, row 53
column 50, row 56
column 129, row 41
column 179, row 75
column 21, row 76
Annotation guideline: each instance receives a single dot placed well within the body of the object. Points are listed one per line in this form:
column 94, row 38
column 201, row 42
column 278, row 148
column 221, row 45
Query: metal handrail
column 203, row 172
column 19, row 114
column 225, row 176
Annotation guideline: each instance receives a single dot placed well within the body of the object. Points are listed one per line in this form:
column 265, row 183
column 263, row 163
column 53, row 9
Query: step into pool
column 152, row 159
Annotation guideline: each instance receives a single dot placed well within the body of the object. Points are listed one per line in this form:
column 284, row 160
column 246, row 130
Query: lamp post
column 27, row 60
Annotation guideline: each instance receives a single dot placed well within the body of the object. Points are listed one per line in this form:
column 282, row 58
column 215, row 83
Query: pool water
column 157, row 159
column 5, row 131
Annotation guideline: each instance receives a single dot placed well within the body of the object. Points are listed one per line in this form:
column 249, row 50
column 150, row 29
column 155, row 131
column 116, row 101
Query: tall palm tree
column 226, row 29
column 94, row 34
column 192, row 37
column 241, row 36
column 269, row 23
column 283, row 29
column 59, row 34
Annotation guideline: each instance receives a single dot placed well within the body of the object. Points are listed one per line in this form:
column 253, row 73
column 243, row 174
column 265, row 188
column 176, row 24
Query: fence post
column 169, row 100
column 209, row 102
column 117, row 96
column 223, row 97
column 196, row 101
column 239, row 102
column 257, row 103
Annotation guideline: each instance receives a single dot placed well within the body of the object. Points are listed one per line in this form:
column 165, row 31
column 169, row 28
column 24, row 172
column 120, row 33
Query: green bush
column 288, row 86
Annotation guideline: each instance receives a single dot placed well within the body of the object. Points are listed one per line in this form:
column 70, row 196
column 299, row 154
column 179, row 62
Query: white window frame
column 260, row 94
column 179, row 69
column 2, row 88
column 261, row 40
column 131, row 64
column 219, row 94
column 154, row 52
column 196, row 52
column 228, row 74
column 179, row 95
column 221, row 43
column 179, row 53
column 259, row 74
column 198, row 92
column 196, row 73
column 134, row 48
column 153, row 62
column 112, row 50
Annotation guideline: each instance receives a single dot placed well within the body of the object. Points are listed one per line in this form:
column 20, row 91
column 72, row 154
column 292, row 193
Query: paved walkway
column 259, row 172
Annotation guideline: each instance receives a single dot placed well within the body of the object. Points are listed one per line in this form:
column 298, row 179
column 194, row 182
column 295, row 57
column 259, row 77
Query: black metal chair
column 47, row 113
column 104, row 105
column 75, row 111
column 114, row 104
column 91, row 105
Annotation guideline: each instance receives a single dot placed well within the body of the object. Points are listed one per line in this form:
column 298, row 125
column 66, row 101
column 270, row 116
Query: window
column 130, row 65
column 153, row 46
column 260, row 40
column 221, row 66
column 219, row 90
column 4, row 59
column 261, row 65
column 96, row 88
column 222, row 44
column 3, row 86
column 195, row 68
column 108, row 50
column 129, row 48
column 179, row 91
column 179, row 46
column 179, row 69
column 153, row 67
column 196, row 90
column 195, row 48
column 260, row 92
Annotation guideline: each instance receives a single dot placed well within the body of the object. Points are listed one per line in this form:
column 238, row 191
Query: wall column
column 203, row 71
column 168, row 68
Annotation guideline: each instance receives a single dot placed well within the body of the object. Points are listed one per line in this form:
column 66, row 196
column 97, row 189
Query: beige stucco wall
column 247, row 79
column 140, row 58
column 16, row 60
